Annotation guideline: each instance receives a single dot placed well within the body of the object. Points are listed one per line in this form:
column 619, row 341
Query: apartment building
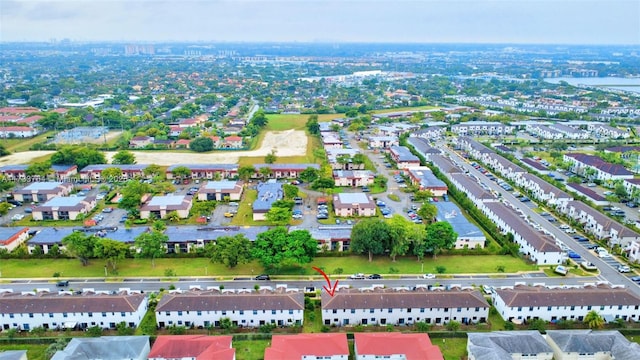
column 522, row 303
column 376, row 305
column 244, row 307
column 221, row 190
column 70, row 310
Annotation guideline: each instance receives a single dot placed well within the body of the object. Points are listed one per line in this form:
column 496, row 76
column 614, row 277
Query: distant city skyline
column 614, row 22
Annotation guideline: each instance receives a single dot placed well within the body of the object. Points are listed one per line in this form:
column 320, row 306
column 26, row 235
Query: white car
column 358, row 276
column 17, row 217
column 428, row 276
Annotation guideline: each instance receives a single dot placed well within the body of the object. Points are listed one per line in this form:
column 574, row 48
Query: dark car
column 263, row 277
column 375, row 276
column 14, row 202
column 63, row 283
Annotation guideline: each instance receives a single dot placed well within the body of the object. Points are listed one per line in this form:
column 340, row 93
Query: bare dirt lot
column 284, row 143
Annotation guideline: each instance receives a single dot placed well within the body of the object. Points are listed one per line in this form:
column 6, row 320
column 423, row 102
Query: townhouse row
column 282, row 306
column 592, row 220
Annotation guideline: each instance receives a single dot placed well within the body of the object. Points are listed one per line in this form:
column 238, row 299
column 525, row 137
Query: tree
column 309, row 174
column 398, row 230
column 201, row 144
column 323, row 183
column 152, row 170
column 277, row 247
column 123, row 157
column 246, row 172
column 132, row 194
column 151, row 245
column 229, row 250
column 290, row 191
column 593, row 320
column 403, row 234
column 312, row 125
column 110, row 250
column 358, row 159
column 370, row 236
column 259, row 119
column 53, row 348
column 181, row 172
column 423, row 195
column 266, row 172
column 428, row 212
column 278, row 215
column 79, row 245
column 4, row 208
column 440, row 235
column 42, row 169
column 621, row 191
column 270, row 158
column 80, row 156
column 319, row 153
column 111, row 174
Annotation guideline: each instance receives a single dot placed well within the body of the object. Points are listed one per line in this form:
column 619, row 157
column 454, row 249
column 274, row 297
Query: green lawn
column 71, row 268
column 452, row 348
column 409, row 265
column 34, row 351
column 17, row 145
column 279, row 122
column 315, row 325
column 250, row 349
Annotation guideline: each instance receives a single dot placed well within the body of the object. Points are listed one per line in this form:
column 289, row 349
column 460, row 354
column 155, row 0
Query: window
column 64, row 314
column 421, row 310
column 104, row 314
column 51, row 315
column 353, row 311
column 199, row 313
column 255, row 312
column 371, row 311
column 390, row 310
column 122, row 314
column 291, row 311
column 273, row 312
column 180, row 313
column 30, row 315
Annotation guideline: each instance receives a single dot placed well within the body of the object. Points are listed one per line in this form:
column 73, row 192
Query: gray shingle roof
column 500, row 345
column 589, row 341
column 213, row 300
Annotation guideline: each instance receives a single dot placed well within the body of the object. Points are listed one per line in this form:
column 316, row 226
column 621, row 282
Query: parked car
column 228, row 215
column 263, row 277
column 107, row 210
column 428, row 276
column 375, row 276
column 62, row 283
column 624, row 269
column 358, row 276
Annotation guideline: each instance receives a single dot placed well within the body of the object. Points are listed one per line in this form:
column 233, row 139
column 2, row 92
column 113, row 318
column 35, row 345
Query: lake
column 615, row 83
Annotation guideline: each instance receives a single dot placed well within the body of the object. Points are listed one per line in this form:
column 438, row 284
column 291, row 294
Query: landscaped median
column 72, row 268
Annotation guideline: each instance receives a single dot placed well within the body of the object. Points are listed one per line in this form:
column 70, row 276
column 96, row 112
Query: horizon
column 536, row 22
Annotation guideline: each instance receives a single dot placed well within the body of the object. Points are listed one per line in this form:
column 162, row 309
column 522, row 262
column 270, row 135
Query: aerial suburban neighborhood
column 231, row 200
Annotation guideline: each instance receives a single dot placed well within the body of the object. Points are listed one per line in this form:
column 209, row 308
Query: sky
column 393, row 21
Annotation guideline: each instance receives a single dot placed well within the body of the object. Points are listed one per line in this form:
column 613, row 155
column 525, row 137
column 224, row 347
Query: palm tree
column 594, row 320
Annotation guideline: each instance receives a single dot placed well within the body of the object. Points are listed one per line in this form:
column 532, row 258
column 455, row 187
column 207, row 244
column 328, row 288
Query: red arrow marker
column 331, row 289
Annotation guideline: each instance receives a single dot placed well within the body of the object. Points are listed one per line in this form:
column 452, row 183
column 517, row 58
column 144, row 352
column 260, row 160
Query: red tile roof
column 293, row 347
column 412, row 346
column 199, row 347
column 18, row 110
column 233, row 138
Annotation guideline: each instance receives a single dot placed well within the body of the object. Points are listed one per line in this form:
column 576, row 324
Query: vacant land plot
column 278, row 122
column 283, row 143
column 25, row 157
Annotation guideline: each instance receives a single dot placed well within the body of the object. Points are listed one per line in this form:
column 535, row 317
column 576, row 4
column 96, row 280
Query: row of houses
column 228, row 142
column 555, row 344
column 137, row 171
column 592, row 220
column 282, row 306
column 282, row 347
column 536, row 246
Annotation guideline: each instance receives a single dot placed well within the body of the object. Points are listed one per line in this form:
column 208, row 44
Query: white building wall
column 28, row 321
column 243, row 318
column 408, row 316
column 576, row 313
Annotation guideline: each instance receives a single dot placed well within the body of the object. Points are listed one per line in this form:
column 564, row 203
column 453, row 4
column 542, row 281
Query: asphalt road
column 151, row 284
column 607, row 270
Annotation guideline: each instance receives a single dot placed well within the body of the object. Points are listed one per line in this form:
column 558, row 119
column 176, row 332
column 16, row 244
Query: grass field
column 250, row 349
column 34, row 352
column 280, row 122
column 16, row 145
column 72, row 268
column 405, row 109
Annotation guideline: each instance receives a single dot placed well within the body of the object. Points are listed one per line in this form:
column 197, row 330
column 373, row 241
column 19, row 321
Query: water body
column 614, row 83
